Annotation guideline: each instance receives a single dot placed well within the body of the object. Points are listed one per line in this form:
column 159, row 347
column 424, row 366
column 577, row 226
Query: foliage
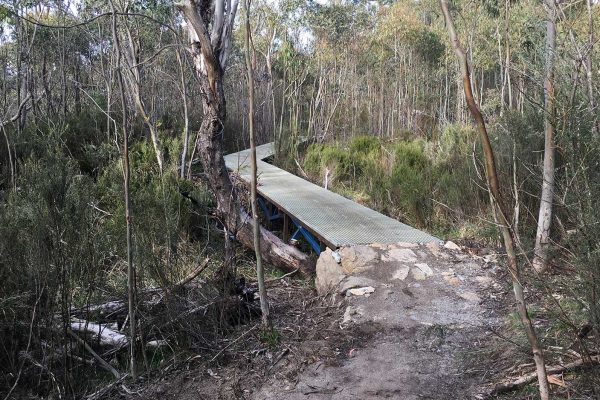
column 411, row 179
column 374, row 84
column 67, row 235
column 54, row 257
column 408, row 178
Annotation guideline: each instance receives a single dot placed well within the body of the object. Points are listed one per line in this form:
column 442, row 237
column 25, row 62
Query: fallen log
column 273, row 250
column 521, row 381
column 101, row 311
column 105, row 336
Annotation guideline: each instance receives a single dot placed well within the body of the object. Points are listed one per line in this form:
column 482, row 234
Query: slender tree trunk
column 271, row 88
column 134, row 83
column 131, row 286
column 260, row 276
column 10, row 158
column 542, row 238
column 590, row 71
column 186, row 119
column 507, row 48
column 498, row 204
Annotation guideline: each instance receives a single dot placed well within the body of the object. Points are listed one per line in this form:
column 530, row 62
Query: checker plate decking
column 334, row 219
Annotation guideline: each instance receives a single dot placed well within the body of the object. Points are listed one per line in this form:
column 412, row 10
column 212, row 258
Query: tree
column 498, row 205
column 210, row 34
column 542, row 238
column 589, row 69
column 262, row 291
column 133, row 78
column 131, row 286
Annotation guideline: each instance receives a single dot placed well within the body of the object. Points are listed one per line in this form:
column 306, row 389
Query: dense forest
column 126, row 248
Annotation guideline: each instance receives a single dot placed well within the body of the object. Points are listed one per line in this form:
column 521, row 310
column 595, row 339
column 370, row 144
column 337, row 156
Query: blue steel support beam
column 307, row 236
column 270, row 216
column 300, row 230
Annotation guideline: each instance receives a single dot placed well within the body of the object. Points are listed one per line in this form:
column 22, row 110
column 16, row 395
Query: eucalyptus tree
column 131, row 272
column 542, row 238
column 210, row 26
column 498, row 205
column 134, row 79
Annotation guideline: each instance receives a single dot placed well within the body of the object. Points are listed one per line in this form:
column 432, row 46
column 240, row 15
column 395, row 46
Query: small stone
column 451, row 246
column 401, row 273
column 352, row 282
column 453, row 280
column 490, row 258
column 361, row 291
column 437, row 251
column 471, row 296
column 433, row 246
column 336, row 256
column 486, row 280
column 425, row 269
column 348, row 314
column 401, row 255
column 417, row 274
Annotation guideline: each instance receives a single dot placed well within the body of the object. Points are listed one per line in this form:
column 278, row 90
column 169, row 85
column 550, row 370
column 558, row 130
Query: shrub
column 63, row 241
column 49, row 259
column 365, row 145
column 320, row 157
column 410, row 180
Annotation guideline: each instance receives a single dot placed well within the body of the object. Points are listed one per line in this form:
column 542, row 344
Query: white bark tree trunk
column 542, row 238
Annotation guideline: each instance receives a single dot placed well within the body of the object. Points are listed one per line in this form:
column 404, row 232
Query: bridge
column 319, row 215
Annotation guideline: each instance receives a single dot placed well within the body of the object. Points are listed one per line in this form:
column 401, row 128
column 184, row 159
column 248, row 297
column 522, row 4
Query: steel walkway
column 333, row 219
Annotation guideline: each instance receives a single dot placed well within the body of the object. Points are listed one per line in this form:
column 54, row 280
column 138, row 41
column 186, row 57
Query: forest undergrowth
column 375, row 90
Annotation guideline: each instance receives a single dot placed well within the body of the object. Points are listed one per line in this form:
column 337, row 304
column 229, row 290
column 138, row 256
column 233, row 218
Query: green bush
column 365, row 145
column 455, row 181
column 165, row 210
column 320, row 157
column 50, row 252
column 411, row 180
column 62, row 237
column 425, row 185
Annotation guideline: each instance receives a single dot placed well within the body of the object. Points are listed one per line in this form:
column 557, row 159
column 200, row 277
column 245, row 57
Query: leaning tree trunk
column 210, row 52
column 498, row 205
column 542, row 238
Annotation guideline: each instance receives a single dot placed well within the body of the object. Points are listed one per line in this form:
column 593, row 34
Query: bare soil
column 440, row 335
column 411, row 338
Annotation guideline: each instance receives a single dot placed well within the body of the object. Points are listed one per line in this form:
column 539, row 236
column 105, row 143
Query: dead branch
column 233, row 342
column 521, row 381
column 191, row 276
column 282, row 277
column 100, row 360
column 100, row 393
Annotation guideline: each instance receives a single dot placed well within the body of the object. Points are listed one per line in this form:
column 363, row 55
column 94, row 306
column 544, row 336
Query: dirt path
column 427, row 318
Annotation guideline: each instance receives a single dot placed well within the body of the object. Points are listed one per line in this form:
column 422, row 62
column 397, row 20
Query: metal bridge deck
column 334, row 219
